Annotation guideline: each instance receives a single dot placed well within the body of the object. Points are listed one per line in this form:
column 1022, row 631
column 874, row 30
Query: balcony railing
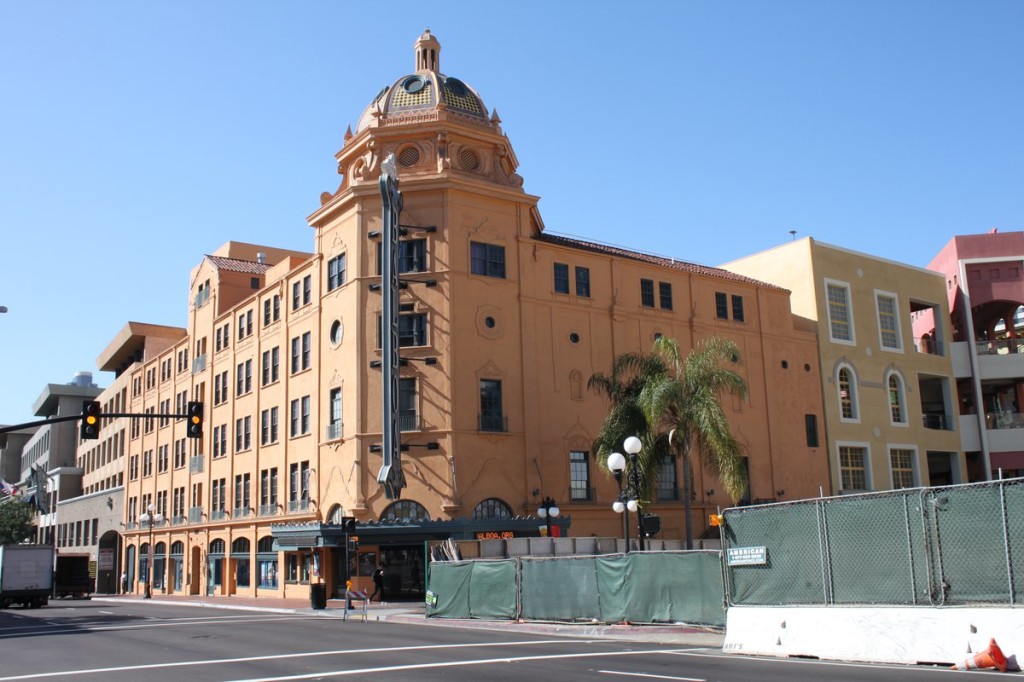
column 334, row 431
column 268, row 509
column 409, row 421
column 195, row 514
column 131, row 525
column 195, row 464
column 579, row 493
column 218, row 515
column 929, row 346
column 1004, row 420
column 240, row 512
column 937, row 422
column 493, row 423
column 199, row 363
column 202, row 297
column 1000, row 347
column 298, row 505
column 177, row 520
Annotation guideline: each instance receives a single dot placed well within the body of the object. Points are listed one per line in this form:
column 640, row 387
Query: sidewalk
column 413, row 613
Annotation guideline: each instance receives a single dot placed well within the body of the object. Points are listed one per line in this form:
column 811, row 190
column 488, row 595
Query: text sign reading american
column 747, row 556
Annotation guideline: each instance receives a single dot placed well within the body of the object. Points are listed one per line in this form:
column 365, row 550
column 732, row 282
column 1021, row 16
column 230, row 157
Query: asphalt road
column 110, row 642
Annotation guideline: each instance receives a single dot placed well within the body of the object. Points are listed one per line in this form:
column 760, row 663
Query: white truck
column 26, row 575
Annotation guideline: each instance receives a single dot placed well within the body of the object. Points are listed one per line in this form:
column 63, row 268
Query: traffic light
column 90, row 420
column 195, row 420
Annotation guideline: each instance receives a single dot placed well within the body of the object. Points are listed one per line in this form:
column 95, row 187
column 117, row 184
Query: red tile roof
column 660, row 261
column 236, row 265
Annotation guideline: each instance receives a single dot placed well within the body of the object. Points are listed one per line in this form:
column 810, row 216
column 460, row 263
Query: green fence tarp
column 661, row 588
column 473, row 589
column 563, row 588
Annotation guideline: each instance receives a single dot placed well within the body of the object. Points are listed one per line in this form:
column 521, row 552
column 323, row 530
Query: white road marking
column 249, row 659
column 657, row 677
column 104, row 626
column 808, row 661
column 451, row 664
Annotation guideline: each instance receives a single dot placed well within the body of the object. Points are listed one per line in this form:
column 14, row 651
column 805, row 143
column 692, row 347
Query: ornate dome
column 423, row 93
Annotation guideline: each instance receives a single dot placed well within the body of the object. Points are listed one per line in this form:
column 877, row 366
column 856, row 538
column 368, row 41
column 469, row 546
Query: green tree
column 686, row 400
column 15, row 521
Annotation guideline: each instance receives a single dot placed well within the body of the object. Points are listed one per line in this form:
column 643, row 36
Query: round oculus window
column 489, row 321
column 457, row 87
column 469, row 159
column 413, row 84
column 408, row 156
column 337, row 333
column 574, row 338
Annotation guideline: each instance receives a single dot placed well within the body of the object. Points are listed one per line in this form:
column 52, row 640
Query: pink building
column 986, row 300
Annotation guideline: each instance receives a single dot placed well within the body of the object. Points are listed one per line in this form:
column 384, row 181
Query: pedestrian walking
column 124, row 582
column 378, row 583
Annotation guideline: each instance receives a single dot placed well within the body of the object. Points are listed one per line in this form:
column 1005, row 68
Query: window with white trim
column 888, row 321
column 901, row 461
column 847, row 384
column 840, row 315
column 853, row 472
column 897, row 402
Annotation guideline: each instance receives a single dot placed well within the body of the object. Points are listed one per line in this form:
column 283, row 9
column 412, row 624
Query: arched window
column 492, row 508
column 847, row 394
column 266, row 544
column 178, row 547
column 334, row 516
column 896, row 400
column 240, row 546
column 217, row 547
column 405, row 511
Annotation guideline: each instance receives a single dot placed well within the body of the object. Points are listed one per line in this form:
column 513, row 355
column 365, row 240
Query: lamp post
column 628, row 497
column 547, row 511
column 150, row 517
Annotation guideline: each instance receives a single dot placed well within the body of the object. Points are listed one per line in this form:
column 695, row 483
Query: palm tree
column 686, row 400
column 631, row 373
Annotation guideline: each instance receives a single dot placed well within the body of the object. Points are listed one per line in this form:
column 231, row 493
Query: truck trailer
column 26, row 575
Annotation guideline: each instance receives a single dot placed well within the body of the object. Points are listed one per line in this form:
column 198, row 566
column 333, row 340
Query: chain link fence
column 946, row 546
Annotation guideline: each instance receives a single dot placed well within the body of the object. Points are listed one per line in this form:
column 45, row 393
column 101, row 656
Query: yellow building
column 889, row 396
column 502, row 324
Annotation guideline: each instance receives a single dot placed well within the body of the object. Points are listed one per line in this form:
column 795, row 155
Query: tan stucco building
column 889, row 396
column 502, row 324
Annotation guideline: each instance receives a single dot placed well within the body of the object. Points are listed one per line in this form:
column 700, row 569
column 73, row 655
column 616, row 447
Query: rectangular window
column 721, row 305
column 737, row 308
column 307, row 289
column 268, row 490
column 561, row 278
column 668, row 485
column 491, row 415
column 335, row 272
column 902, row 461
column 243, row 378
column 307, row 342
column 579, row 476
column 487, row 259
column 583, row 282
column 811, row 429
column 647, row 293
column 665, row 295
column 407, row 414
column 242, row 493
column 888, row 321
column 271, row 359
column 852, row 470
column 412, row 330
column 839, row 315
column 296, row 295
column 300, row 416
column 296, row 353
column 268, row 426
column 334, row 418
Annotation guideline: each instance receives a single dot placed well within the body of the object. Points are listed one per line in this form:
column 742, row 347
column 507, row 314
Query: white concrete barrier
column 874, row 634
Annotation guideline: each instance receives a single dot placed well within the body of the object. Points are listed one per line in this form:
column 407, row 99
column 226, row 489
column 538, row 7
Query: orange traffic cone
column 992, row 657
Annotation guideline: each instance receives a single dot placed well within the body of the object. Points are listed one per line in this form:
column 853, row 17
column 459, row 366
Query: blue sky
column 138, row 136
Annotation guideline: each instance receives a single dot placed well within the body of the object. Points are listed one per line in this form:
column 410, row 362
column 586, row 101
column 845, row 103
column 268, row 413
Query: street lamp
column 628, row 497
column 150, row 517
column 547, row 511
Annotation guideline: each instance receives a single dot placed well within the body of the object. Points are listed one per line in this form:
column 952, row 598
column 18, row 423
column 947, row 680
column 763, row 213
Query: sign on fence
column 747, row 556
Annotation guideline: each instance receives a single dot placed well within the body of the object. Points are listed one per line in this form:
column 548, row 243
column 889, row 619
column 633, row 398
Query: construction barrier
column 640, row 587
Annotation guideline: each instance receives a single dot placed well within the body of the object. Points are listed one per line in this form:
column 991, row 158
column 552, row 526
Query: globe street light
column 150, row 517
column 547, row 511
column 628, row 497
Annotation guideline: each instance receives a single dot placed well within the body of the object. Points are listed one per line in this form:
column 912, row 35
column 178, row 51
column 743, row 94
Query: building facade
column 501, row 326
column 884, row 345
column 985, row 291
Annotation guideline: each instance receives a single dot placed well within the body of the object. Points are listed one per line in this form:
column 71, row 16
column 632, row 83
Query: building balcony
column 298, row 505
column 493, row 423
column 195, row 464
column 178, row 520
column 199, row 364
column 195, row 515
column 218, row 515
column 334, row 431
column 240, row 512
column 408, row 421
column 268, row 509
column 202, row 297
column 937, row 421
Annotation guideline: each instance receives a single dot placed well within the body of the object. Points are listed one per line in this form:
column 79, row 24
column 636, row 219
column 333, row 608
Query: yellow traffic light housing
column 91, row 413
column 194, row 412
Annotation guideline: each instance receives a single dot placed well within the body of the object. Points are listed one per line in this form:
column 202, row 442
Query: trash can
column 318, row 595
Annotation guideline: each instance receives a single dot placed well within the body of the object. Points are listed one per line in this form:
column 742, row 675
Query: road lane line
column 275, row 657
column 453, row 664
column 657, row 677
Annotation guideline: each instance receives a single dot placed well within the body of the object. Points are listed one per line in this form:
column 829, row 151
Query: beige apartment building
column 501, row 326
column 889, row 396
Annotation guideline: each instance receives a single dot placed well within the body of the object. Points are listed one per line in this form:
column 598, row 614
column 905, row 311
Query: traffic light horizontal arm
column 104, row 415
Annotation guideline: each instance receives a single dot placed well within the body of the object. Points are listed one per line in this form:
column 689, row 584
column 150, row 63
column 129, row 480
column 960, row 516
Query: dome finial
column 428, row 52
